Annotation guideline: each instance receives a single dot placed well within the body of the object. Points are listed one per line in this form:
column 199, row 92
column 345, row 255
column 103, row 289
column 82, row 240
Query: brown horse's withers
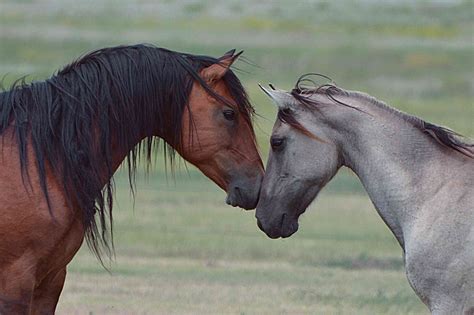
column 62, row 140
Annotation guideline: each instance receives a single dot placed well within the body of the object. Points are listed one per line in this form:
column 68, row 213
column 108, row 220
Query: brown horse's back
column 35, row 246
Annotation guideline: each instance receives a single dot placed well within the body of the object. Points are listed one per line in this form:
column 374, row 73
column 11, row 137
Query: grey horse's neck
column 399, row 165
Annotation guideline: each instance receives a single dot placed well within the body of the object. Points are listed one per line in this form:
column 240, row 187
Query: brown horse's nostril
column 238, row 193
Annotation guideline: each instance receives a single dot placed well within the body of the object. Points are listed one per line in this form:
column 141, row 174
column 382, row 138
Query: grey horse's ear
column 281, row 98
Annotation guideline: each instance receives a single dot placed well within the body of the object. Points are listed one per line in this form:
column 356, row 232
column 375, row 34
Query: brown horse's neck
column 120, row 152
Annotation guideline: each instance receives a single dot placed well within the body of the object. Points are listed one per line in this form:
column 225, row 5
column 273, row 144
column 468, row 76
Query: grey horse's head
column 304, row 156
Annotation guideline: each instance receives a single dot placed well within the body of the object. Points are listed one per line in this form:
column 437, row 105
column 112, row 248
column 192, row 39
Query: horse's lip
column 239, row 197
column 231, row 201
column 235, row 199
column 288, row 226
column 292, row 229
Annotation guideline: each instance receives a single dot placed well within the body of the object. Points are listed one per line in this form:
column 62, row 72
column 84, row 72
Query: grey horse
column 419, row 176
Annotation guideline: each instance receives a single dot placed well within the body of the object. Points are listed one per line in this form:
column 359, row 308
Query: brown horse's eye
column 276, row 143
column 229, row 114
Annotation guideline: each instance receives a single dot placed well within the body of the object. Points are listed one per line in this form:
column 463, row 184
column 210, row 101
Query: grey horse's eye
column 286, row 111
column 276, row 142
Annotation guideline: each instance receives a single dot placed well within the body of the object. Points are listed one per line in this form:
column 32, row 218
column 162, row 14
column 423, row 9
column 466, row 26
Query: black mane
column 105, row 101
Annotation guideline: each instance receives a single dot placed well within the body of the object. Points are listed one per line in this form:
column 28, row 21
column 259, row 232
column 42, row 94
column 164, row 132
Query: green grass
column 182, row 250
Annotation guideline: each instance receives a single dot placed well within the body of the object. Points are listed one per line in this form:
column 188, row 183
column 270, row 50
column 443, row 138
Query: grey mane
column 442, row 135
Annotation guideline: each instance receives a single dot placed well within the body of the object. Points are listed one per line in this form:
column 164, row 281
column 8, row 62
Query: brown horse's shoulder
column 30, row 232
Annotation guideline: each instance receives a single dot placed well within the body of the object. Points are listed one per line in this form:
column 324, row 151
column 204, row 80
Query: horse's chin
column 236, row 199
column 285, row 227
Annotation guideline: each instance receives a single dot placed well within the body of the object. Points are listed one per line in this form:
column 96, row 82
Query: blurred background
column 179, row 248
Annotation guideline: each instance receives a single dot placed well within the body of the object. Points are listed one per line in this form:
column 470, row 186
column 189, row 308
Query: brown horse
column 62, row 140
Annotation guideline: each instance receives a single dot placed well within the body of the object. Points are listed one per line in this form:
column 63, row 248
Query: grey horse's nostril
column 282, row 220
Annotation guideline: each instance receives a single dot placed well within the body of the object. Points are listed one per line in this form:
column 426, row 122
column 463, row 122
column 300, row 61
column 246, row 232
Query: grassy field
column 180, row 249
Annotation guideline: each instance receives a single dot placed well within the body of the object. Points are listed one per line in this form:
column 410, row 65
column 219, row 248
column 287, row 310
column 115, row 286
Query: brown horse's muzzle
column 243, row 191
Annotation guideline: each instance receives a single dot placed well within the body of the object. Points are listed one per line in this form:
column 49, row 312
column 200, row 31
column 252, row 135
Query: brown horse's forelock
column 111, row 94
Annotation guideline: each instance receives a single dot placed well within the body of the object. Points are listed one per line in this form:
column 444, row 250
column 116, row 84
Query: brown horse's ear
column 216, row 71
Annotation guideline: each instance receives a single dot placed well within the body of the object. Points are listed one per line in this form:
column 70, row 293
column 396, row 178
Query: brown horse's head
column 218, row 138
